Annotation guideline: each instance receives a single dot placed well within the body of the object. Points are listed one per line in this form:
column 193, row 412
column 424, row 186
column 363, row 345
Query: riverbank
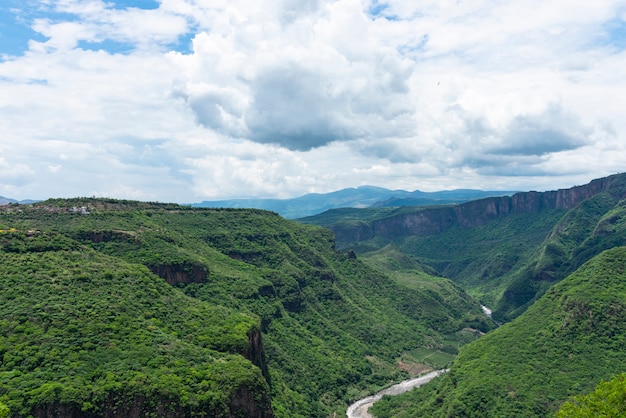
column 359, row 408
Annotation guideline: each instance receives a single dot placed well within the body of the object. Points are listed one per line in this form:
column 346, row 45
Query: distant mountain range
column 360, row 197
column 6, row 201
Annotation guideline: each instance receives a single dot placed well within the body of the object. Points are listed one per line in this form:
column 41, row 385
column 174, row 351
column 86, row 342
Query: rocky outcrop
column 53, row 410
column 244, row 403
column 255, row 353
column 107, row 236
column 434, row 220
column 180, row 273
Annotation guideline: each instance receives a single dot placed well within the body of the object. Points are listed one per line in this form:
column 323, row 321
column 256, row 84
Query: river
column 360, row 407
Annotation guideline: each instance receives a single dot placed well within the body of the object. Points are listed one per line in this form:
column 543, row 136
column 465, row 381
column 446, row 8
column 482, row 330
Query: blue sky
column 15, row 30
column 189, row 100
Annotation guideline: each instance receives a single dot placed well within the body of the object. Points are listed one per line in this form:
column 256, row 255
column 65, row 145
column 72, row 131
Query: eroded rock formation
column 434, row 220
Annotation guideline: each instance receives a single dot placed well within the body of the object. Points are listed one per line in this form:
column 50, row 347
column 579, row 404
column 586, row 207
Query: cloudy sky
column 190, row 100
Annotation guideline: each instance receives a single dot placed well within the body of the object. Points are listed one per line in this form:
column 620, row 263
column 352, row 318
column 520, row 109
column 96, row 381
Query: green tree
column 4, row 410
column 608, row 400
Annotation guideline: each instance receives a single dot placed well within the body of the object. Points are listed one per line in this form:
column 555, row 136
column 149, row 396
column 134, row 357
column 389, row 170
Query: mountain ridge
column 355, row 197
column 7, row 200
column 506, row 251
column 433, row 220
column 352, row 197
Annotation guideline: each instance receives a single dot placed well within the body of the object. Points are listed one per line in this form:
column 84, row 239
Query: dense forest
column 127, row 308
column 551, row 265
column 123, row 308
column 563, row 345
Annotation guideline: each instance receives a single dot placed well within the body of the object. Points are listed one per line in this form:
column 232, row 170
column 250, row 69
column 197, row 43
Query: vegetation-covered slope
column 84, row 335
column 504, row 251
column 564, row 344
column 607, row 400
column 333, row 328
column 596, row 224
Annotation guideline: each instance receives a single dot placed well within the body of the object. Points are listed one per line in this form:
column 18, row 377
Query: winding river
column 360, row 407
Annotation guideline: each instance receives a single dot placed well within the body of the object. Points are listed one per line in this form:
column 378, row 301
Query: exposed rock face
column 242, row 404
column 107, row 236
column 58, row 410
column 180, row 273
column 114, row 407
column 255, row 352
column 434, row 220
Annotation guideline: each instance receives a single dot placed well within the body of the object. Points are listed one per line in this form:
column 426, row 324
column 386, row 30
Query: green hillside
column 332, row 328
column 84, row 333
column 607, row 400
column 597, row 224
column 505, row 252
column 563, row 345
column 485, row 259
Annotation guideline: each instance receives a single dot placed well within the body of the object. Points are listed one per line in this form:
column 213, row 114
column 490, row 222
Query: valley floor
column 359, row 409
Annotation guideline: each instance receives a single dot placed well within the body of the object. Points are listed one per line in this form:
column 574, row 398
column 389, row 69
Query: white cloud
column 15, row 174
column 302, row 86
column 284, row 97
column 96, row 21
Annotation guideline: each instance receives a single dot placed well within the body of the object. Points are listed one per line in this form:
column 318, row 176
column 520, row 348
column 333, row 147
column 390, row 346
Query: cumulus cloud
column 95, row 21
column 291, row 106
column 552, row 130
column 300, row 87
column 14, row 174
column 522, row 145
column 543, row 134
column 191, row 99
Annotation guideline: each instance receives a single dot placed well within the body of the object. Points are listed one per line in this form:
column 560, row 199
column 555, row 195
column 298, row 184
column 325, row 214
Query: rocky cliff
column 434, row 220
column 242, row 404
column 255, row 353
column 180, row 273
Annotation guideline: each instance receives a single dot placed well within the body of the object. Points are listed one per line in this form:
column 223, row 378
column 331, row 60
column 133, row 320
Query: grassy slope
column 85, row 330
column 333, row 328
column 564, row 344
